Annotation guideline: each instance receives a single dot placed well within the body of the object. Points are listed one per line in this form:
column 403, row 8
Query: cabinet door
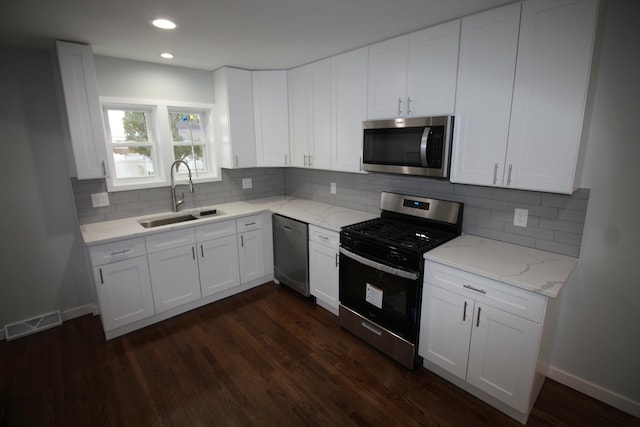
column 174, row 274
column 387, row 85
column 218, row 263
column 348, row 109
column 503, row 355
column 271, row 116
column 251, row 255
column 445, row 329
column 554, row 56
column 234, row 112
column 432, row 70
column 323, row 274
column 488, row 47
column 84, row 115
column 124, row 292
column 310, row 115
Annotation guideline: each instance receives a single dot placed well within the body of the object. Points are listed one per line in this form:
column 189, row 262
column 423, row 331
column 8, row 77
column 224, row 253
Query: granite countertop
column 526, row 268
column 321, row 214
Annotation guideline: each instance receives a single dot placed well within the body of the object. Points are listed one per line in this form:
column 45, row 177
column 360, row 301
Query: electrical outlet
column 333, row 188
column 99, row 200
column 247, row 183
column 520, row 217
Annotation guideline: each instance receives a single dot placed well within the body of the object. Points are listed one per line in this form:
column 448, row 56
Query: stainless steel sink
column 150, row 223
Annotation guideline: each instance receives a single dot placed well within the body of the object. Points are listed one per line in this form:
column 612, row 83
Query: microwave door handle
column 424, row 142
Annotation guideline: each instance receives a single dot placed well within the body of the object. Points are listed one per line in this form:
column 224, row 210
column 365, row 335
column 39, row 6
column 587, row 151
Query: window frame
column 162, row 153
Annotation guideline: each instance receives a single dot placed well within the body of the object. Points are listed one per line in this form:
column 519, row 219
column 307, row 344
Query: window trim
column 159, row 125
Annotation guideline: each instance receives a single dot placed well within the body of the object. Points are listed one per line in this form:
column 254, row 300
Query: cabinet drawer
column 323, row 236
column 170, row 239
column 517, row 301
column 117, row 251
column 215, row 230
column 253, row 222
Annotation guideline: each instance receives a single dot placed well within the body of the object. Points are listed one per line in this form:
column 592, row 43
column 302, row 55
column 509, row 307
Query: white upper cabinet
column 348, row 109
column 271, row 116
column 84, row 115
column 414, row 75
column 552, row 76
column 310, row 115
column 234, row 127
column 488, row 49
column 521, row 127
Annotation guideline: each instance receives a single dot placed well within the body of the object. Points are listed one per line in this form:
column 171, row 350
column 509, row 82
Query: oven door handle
column 378, row 266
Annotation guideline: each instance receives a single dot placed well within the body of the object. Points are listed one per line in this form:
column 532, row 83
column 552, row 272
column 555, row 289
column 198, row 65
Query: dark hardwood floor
column 266, row 357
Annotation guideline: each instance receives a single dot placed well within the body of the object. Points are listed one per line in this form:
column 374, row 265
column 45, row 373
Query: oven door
column 385, row 295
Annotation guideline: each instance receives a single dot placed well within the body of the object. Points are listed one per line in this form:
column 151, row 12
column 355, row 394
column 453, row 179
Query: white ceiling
column 253, row 34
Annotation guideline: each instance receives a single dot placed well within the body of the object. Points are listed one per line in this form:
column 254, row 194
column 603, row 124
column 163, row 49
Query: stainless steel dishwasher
column 291, row 253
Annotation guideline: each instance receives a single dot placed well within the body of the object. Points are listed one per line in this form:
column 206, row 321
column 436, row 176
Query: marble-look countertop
column 526, row 268
column 321, row 214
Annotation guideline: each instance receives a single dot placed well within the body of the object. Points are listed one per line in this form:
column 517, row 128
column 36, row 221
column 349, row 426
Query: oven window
column 386, row 299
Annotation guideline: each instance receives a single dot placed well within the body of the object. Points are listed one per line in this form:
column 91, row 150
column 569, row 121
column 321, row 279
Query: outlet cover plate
column 333, row 188
column 520, row 217
column 99, row 200
column 247, row 183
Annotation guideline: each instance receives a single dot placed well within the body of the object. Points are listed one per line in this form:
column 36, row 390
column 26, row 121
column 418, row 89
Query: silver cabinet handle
column 478, row 320
column 124, row 251
column 242, row 240
column 250, row 224
column 320, row 236
column 399, row 106
column 482, row 291
column 509, row 176
column 337, row 260
column 310, row 161
column 495, row 173
column 202, row 250
column 304, row 161
column 464, row 312
column 104, row 169
column 101, row 278
column 408, row 105
column 193, row 252
column 236, row 159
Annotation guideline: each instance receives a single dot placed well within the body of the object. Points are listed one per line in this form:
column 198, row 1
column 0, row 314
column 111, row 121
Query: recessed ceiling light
column 163, row 23
column 167, row 55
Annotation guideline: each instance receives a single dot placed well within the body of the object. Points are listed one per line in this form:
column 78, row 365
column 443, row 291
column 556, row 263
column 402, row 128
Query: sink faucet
column 174, row 198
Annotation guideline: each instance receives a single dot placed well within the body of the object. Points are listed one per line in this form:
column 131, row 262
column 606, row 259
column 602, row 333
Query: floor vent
column 33, row 325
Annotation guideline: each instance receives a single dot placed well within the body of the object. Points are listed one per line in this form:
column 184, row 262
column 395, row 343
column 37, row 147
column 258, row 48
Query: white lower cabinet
column 485, row 333
column 146, row 280
column 324, row 267
column 122, row 282
column 174, row 269
column 217, row 257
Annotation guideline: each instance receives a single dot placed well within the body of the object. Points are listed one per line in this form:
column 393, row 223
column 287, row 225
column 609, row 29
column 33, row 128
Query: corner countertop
column 526, row 268
column 321, row 214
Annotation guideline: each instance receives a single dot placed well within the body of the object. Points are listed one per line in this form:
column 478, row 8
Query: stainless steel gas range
column 382, row 266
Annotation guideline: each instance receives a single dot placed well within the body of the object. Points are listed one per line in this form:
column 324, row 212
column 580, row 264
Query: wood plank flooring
column 266, row 357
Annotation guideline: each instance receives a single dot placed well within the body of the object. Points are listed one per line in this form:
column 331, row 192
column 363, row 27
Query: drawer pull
column 372, row 329
column 323, row 237
column 482, row 291
column 124, row 251
column 250, row 224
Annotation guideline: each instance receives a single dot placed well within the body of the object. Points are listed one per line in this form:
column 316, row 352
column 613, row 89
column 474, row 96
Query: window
column 144, row 138
column 130, row 142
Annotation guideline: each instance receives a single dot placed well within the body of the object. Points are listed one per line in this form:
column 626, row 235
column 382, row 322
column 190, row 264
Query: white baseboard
column 72, row 313
column 597, row 392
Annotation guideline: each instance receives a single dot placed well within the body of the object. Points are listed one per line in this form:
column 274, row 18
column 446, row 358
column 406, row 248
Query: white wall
column 42, row 263
column 599, row 332
column 137, row 79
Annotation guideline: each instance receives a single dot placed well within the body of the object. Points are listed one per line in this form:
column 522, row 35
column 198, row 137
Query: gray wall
column 43, row 265
column 555, row 221
column 598, row 339
column 137, row 79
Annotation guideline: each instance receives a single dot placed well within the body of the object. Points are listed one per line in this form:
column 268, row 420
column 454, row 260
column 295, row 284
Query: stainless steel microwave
column 413, row 146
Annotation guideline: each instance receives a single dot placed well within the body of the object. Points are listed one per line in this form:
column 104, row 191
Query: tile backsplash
column 555, row 222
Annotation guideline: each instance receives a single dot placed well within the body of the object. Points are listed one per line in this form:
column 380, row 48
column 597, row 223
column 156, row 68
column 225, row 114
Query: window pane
column 133, row 162
column 128, row 126
column 195, row 156
column 186, row 127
